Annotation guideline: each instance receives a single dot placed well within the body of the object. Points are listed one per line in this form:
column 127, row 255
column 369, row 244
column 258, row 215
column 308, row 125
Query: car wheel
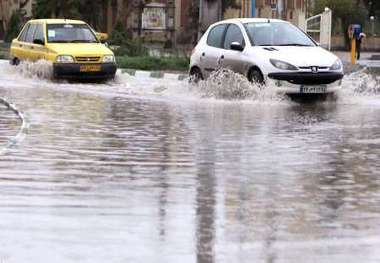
column 14, row 61
column 195, row 75
column 256, row 76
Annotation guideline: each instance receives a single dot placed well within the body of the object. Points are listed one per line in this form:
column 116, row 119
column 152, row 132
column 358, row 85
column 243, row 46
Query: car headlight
column 337, row 65
column 108, row 59
column 282, row 65
column 65, row 59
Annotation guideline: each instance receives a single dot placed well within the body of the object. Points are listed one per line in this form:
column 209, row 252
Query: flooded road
column 144, row 170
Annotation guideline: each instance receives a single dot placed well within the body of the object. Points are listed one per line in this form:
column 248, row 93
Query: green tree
column 346, row 11
column 93, row 12
column 14, row 27
column 57, row 9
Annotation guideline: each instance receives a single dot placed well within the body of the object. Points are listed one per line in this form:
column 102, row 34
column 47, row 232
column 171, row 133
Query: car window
column 39, row 33
column 276, row 34
column 23, row 33
column 215, row 36
column 30, row 34
column 70, row 33
column 233, row 34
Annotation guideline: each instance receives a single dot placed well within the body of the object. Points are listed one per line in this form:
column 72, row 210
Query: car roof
column 249, row 20
column 56, row 21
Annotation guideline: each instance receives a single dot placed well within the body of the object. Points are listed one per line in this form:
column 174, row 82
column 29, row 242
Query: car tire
column 195, row 75
column 14, row 61
column 256, row 76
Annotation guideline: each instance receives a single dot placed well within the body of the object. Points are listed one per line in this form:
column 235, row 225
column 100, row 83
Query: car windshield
column 276, row 34
column 70, row 33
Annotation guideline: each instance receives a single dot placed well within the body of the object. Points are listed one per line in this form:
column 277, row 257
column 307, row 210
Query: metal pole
column 200, row 18
column 242, row 8
column 253, row 8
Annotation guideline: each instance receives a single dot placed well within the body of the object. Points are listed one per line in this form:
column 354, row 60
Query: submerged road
column 142, row 170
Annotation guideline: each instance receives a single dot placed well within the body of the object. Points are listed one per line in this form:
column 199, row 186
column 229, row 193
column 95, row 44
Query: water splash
column 227, row 85
column 223, row 85
column 361, row 87
column 41, row 69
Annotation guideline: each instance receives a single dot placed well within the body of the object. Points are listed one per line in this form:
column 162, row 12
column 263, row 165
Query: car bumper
column 73, row 71
column 309, row 83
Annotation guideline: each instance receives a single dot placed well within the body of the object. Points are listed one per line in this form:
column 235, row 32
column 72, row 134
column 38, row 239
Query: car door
column 233, row 59
column 28, row 44
column 38, row 48
column 18, row 46
column 210, row 52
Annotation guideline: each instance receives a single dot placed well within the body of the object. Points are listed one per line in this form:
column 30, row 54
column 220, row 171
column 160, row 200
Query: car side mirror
column 236, row 46
column 102, row 37
column 39, row 42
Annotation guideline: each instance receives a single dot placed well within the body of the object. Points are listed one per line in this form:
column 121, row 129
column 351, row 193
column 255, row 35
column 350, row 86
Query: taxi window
column 70, row 33
column 23, row 33
column 215, row 36
column 39, row 34
column 233, row 34
column 30, row 33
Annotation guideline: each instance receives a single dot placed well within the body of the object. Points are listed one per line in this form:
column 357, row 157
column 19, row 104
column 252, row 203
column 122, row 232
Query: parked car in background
column 267, row 49
column 73, row 47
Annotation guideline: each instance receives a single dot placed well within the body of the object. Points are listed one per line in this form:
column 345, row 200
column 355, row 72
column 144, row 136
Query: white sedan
column 263, row 49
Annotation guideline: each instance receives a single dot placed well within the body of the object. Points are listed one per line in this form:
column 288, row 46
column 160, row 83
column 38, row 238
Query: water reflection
column 108, row 178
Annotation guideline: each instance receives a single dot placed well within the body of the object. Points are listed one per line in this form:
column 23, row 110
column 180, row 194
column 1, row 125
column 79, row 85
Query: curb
column 154, row 74
column 22, row 131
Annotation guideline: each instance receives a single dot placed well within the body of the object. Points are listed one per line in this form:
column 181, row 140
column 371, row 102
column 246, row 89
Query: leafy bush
column 132, row 48
column 153, row 63
column 128, row 46
column 119, row 35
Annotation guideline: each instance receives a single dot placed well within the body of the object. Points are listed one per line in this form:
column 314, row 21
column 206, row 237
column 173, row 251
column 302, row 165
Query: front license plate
column 90, row 68
column 313, row 89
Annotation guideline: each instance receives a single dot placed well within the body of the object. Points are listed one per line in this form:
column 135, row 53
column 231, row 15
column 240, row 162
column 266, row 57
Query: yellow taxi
column 73, row 47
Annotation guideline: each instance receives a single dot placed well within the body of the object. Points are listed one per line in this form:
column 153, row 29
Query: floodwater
column 144, row 170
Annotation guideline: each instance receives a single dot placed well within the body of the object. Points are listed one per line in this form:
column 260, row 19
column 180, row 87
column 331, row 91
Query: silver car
column 263, row 49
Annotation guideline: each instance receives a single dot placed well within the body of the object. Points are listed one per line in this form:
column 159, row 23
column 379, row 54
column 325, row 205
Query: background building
column 291, row 10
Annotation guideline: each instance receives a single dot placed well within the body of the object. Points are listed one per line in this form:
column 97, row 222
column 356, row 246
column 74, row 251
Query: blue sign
column 253, row 8
column 357, row 30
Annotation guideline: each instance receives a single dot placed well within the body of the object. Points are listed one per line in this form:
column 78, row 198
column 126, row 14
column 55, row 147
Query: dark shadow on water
column 312, row 98
column 205, row 204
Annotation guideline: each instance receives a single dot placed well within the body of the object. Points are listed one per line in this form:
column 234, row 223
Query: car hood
column 299, row 56
column 80, row 49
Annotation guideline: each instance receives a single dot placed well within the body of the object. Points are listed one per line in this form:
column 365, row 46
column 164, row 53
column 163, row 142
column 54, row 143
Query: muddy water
column 142, row 170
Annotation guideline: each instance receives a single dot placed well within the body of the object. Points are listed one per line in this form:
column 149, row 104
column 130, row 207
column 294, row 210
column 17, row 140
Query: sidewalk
column 367, row 59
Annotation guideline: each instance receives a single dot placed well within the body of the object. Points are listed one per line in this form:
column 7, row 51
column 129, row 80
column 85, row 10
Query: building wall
column 291, row 10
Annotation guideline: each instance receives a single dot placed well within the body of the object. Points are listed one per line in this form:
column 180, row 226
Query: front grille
column 87, row 59
column 306, row 78
column 323, row 68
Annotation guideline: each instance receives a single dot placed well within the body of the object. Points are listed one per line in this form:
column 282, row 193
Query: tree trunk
column 209, row 13
column 109, row 16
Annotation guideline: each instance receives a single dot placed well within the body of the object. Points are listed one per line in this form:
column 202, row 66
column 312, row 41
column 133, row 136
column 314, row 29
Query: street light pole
column 372, row 18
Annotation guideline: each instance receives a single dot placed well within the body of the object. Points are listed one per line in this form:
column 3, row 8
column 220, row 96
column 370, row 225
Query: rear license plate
column 90, row 68
column 313, row 89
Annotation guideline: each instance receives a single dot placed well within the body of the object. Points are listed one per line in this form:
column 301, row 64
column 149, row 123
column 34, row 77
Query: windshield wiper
column 59, row 41
column 293, row 44
column 82, row 41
